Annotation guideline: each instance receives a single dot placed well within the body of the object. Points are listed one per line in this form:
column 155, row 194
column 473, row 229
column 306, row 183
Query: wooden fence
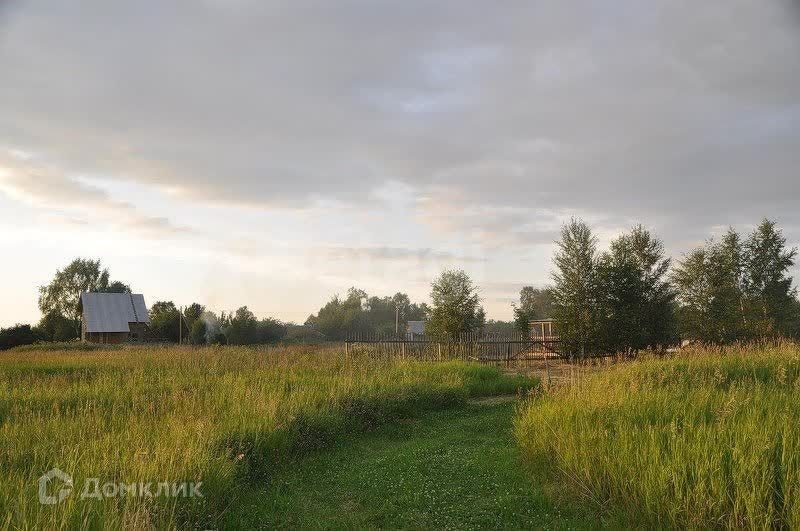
column 484, row 348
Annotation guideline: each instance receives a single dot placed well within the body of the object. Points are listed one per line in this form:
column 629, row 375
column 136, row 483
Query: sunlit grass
column 704, row 439
column 223, row 416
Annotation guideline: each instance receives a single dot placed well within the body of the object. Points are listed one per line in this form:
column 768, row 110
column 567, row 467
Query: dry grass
column 706, row 438
column 224, row 416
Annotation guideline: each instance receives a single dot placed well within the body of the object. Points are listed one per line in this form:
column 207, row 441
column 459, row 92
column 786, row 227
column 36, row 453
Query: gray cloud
column 502, row 119
column 71, row 202
column 392, row 254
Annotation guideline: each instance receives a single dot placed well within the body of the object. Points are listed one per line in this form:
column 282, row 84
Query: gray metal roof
column 111, row 312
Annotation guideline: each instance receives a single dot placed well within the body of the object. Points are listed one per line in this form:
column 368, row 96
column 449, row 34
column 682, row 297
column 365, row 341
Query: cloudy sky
column 272, row 153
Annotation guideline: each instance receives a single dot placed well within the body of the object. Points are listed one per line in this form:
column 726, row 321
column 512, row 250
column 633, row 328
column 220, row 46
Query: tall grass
column 223, row 416
column 709, row 438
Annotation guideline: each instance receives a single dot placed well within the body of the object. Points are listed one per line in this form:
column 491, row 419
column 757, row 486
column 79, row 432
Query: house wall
column 111, row 338
column 139, row 332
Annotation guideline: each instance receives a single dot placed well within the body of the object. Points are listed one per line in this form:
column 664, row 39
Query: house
column 113, row 317
column 415, row 329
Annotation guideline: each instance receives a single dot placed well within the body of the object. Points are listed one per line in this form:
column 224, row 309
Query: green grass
column 228, row 417
column 704, row 439
column 455, row 469
column 64, row 346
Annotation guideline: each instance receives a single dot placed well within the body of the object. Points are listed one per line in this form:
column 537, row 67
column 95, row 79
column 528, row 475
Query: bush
column 297, row 334
column 16, row 336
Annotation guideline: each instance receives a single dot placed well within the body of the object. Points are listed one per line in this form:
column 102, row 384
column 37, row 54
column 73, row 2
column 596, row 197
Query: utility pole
column 180, row 326
column 396, row 321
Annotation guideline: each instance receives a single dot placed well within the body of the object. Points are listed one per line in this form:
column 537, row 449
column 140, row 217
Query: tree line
column 629, row 297
column 626, row 298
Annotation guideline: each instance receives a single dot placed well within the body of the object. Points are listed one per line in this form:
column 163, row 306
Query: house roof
column 112, row 312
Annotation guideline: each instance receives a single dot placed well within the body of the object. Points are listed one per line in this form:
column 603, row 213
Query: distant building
column 415, row 329
column 544, row 330
column 113, row 317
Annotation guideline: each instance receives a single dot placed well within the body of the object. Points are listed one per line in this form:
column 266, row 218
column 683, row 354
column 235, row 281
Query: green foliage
column 731, row 291
column 341, row 318
column 55, row 327
column 456, row 306
column 197, row 335
column 634, row 297
column 534, row 303
column 707, row 439
column 63, row 293
column 359, row 313
column 17, row 335
column 116, row 287
column 166, row 323
column 62, row 296
column 270, row 330
column 575, row 290
column 767, row 285
column 500, row 328
column 242, row 327
column 192, row 313
column 302, row 334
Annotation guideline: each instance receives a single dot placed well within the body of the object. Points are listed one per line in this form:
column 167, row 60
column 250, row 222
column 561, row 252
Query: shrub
column 16, row 336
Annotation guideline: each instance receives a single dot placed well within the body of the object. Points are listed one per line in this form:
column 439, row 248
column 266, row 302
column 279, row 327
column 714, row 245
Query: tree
column 117, row 287
column 500, row 328
column 726, row 307
column 63, row 294
column 692, row 280
column 302, row 334
column 55, row 327
column 192, row 313
column 731, row 291
column 635, row 297
column 574, row 291
column 270, row 330
column 767, row 285
column 385, row 315
column 166, row 322
column 16, row 336
column 242, row 327
column 360, row 313
column 534, row 304
column 197, row 334
column 456, row 306
column 341, row 318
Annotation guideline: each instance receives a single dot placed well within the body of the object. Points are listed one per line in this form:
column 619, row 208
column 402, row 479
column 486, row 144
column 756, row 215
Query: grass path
column 456, row 469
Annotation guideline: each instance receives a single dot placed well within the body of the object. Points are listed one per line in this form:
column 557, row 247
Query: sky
column 272, row 154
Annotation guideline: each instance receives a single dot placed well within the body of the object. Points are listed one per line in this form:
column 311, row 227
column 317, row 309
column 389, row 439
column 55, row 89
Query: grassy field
column 704, row 439
column 308, row 437
column 452, row 469
column 227, row 417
